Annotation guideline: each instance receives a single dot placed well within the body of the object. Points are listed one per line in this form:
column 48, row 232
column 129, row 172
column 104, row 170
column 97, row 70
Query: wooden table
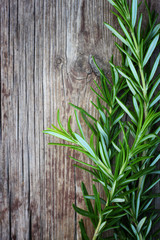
column 46, row 49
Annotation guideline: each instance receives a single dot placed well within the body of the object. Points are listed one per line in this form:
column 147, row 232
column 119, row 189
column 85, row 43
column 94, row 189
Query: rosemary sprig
column 127, row 171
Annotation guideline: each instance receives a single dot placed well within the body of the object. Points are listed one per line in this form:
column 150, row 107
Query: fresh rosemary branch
column 127, row 171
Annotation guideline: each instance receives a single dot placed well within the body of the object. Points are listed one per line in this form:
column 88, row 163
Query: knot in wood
column 58, row 61
column 82, row 65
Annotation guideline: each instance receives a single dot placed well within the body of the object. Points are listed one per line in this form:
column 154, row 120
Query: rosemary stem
column 144, row 89
column 140, row 236
column 139, row 64
column 99, row 223
column 97, row 229
column 143, row 80
column 135, row 41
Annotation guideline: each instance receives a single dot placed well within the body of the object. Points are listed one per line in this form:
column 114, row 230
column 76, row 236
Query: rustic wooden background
column 46, row 48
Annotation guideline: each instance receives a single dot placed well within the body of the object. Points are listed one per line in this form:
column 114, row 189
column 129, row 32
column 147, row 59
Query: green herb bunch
column 124, row 153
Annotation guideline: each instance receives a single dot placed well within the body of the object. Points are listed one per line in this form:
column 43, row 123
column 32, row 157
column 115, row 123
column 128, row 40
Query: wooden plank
column 5, row 93
column 46, row 49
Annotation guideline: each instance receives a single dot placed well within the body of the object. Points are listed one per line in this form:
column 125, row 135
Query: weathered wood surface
column 46, row 49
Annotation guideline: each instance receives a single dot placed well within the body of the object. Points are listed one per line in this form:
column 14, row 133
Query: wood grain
column 46, row 48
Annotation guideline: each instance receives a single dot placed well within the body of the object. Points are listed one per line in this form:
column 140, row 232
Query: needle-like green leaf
column 79, row 125
column 97, row 199
column 154, row 68
column 152, row 185
column 139, row 28
column 126, row 110
column 133, row 70
column 59, row 135
column 125, row 31
column 141, row 223
column 83, row 231
column 155, row 100
column 134, row 12
column 150, row 50
column 117, row 34
column 155, row 160
column 85, row 145
column 155, row 86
